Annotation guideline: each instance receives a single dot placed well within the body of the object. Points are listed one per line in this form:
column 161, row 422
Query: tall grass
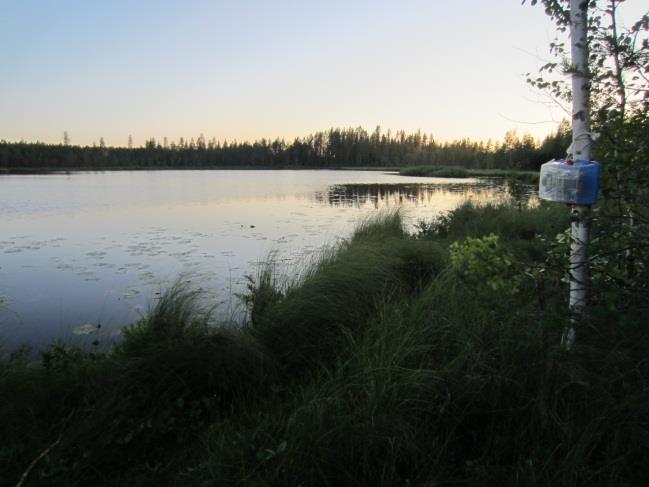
column 329, row 304
column 506, row 221
column 440, row 390
column 449, row 384
column 139, row 408
column 379, row 365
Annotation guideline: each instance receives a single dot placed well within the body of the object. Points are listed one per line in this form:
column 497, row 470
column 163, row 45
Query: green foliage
column 60, row 357
column 618, row 58
column 484, row 261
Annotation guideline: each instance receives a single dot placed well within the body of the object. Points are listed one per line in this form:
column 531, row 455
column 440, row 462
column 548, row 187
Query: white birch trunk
column 581, row 150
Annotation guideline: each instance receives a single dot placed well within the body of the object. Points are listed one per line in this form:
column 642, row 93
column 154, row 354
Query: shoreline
column 406, row 171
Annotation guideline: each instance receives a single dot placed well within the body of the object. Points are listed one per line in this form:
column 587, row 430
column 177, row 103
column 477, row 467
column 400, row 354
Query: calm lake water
column 97, row 248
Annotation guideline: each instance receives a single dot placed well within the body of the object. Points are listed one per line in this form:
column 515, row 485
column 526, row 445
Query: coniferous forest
column 335, row 148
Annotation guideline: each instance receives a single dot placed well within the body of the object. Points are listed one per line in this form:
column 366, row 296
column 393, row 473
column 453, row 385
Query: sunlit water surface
column 97, row 248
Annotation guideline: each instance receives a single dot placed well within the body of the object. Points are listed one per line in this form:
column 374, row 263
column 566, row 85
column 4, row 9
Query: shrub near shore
column 390, row 361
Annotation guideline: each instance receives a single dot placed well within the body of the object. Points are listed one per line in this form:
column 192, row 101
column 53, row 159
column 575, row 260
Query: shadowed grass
column 143, row 405
column 448, row 384
column 440, row 391
column 506, row 221
column 330, row 303
column 380, row 365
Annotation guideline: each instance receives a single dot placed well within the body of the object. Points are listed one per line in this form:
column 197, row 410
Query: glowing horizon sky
column 251, row 69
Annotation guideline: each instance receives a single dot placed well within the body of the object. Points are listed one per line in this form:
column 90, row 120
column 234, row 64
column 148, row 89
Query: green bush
column 484, row 261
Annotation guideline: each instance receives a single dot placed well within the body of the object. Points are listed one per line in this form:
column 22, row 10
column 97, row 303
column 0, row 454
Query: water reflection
column 381, row 196
column 95, row 248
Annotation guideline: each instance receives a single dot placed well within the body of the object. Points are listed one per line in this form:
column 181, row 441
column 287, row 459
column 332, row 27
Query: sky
column 249, row 69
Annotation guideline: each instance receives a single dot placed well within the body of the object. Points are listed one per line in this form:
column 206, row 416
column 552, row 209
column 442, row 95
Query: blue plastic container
column 574, row 184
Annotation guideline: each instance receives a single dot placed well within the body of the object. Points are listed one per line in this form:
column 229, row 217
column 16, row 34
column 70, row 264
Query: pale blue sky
column 249, row 69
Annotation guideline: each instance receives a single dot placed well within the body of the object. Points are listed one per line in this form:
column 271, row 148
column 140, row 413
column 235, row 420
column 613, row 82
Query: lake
column 97, row 248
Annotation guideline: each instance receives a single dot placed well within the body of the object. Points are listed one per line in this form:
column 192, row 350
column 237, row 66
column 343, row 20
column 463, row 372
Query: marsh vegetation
column 395, row 358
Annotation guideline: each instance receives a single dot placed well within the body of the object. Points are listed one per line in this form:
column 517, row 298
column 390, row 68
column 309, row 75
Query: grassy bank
column 395, row 359
column 529, row 177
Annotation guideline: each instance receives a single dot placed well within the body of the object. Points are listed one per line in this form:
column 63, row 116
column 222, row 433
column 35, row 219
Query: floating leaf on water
column 147, row 276
column 4, row 301
column 130, row 294
column 85, row 329
column 96, row 254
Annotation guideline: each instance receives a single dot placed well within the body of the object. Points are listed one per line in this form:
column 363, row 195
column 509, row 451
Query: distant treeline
column 351, row 147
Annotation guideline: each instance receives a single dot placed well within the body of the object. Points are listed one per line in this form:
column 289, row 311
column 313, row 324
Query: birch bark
column 581, row 150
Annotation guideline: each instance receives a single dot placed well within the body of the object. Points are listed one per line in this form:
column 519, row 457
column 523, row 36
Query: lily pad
column 130, row 294
column 85, row 329
column 96, row 254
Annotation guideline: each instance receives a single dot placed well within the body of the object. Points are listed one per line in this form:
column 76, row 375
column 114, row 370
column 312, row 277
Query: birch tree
column 618, row 74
